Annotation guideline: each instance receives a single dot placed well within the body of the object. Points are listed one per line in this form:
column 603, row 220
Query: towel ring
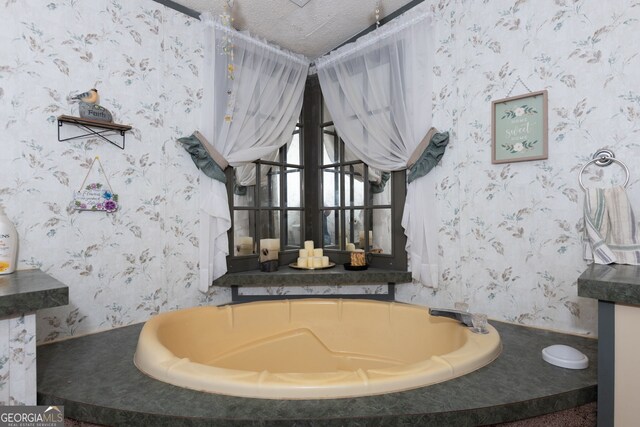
column 603, row 158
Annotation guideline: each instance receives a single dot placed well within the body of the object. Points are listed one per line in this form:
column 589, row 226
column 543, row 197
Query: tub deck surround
column 22, row 293
column 617, row 283
column 27, row 291
column 311, row 348
column 617, row 289
column 286, row 276
column 95, row 379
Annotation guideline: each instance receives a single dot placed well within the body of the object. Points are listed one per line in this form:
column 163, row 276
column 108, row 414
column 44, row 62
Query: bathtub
column 309, row 348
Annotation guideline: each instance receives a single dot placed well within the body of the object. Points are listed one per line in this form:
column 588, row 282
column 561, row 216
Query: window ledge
column 286, row 276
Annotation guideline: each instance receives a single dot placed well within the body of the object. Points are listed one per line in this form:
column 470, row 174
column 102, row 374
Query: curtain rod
column 367, row 40
column 312, row 68
column 372, row 27
column 383, row 21
column 208, row 19
column 180, row 8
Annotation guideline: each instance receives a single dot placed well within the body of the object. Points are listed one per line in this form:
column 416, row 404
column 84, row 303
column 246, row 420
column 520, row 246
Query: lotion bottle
column 8, row 245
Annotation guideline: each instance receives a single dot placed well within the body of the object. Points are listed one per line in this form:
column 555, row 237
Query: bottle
column 8, row 245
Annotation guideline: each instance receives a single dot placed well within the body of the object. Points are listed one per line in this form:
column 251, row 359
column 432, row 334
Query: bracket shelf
column 103, row 130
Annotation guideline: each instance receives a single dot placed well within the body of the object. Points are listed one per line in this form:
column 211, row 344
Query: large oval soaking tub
column 309, row 349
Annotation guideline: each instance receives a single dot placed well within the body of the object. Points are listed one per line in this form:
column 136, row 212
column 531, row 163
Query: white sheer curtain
column 245, row 118
column 378, row 91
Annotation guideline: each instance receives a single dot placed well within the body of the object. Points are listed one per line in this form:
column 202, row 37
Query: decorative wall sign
column 519, row 128
column 95, row 196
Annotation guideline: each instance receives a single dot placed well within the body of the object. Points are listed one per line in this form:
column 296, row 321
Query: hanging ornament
column 226, row 46
column 226, row 42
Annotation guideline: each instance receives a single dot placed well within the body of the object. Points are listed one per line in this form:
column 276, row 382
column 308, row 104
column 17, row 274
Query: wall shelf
column 103, row 130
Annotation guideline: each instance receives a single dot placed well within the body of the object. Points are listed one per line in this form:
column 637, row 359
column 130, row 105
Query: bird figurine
column 89, row 97
column 89, row 108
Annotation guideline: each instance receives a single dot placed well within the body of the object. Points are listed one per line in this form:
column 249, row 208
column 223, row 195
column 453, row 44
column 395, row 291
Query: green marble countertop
column 619, row 283
column 26, row 291
column 294, row 277
column 95, row 379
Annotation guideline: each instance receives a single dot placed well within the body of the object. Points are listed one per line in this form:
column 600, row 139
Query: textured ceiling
column 312, row 30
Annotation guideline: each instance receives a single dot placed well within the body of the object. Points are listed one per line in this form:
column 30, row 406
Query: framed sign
column 519, row 128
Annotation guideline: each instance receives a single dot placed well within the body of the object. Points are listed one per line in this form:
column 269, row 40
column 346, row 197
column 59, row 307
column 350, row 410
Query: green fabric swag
column 378, row 187
column 430, row 156
column 202, row 159
column 239, row 190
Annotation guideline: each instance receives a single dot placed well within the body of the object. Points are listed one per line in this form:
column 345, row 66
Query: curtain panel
column 378, row 91
column 251, row 103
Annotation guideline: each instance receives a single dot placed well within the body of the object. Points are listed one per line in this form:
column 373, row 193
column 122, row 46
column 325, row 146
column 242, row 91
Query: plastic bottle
column 8, row 245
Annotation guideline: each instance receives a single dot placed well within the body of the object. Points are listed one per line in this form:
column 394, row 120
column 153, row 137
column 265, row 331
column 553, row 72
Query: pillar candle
column 325, row 261
column 351, row 247
column 302, row 253
column 358, row 258
column 244, row 245
column 317, row 261
column 245, row 240
column 303, row 262
column 317, row 252
column 269, row 249
column 308, row 245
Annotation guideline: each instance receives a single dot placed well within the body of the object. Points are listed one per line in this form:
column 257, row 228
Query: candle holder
column 269, row 266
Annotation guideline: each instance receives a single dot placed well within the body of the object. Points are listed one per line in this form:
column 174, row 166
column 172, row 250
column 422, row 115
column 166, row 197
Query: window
column 357, row 208
column 314, row 188
column 270, row 207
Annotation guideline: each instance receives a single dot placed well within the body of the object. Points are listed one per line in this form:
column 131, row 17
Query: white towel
column 610, row 234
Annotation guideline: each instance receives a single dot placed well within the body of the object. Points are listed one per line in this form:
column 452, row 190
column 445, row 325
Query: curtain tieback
column 204, row 156
column 427, row 154
column 215, row 155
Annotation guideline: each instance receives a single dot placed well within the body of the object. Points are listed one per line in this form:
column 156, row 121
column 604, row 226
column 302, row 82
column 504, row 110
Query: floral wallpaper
column 509, row 234
column 145, row 61
column 18, row 360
